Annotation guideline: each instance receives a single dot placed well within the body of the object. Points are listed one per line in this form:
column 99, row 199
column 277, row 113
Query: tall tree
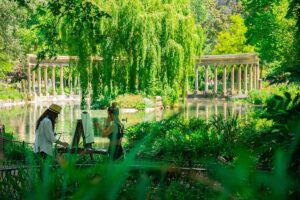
column 214, row 17
column 268, row 29
column 233, row 40
column 142, row 43
column 294, row 12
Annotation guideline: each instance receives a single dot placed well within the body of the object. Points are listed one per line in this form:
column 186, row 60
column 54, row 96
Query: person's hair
column 110, row 110
column 51, row 115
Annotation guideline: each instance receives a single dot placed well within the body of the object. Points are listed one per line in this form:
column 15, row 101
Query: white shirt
column 44, row 137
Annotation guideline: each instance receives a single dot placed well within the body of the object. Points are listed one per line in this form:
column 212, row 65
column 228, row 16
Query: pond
column 20, row 120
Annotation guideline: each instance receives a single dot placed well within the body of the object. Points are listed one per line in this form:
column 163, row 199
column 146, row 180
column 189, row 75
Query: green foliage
column 131, row 101
column 169, row 97
column 141, row 42
column 233, row 40
column 102, row 103
column 273, row 35
column 262, row 96
column 10, row 93
column 294, row 12
column 214, row 17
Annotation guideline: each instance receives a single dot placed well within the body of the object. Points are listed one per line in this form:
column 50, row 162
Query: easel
column 75, row 149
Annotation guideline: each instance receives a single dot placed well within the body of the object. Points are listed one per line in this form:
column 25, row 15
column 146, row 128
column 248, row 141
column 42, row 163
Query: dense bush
column 131, row 101
column 9, row 93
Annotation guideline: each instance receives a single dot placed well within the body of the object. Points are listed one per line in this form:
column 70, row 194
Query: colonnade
column 250, row 80
column 34, row 77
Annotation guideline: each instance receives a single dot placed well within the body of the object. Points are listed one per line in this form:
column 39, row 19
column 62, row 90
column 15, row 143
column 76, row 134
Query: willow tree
column 143, row 43
column 159, row 40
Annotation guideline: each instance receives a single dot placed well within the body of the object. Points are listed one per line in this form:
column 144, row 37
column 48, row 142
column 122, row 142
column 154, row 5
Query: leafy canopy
column 233, row 40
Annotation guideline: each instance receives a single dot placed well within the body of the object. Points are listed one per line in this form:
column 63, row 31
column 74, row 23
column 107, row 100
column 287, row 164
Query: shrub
column 10, row 93
column 131, row 101
column 101, row 103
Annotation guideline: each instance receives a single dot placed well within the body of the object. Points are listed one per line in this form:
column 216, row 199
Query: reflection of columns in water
column 40, row 110
column 245, row 111
column 232, row 110
column 31, row 123
column 29, row 78
column 225, row 110
column 197, row 109
column 206, row 113
column 187, row 110
column 34, row 119
column 78, row 86
column 239, row 111
column 77, row 111
column 215, row 110
column 158, row 114
column 71, row 115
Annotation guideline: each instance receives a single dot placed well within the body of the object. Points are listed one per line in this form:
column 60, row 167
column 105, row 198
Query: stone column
column 239, row 80
column 39, row 81
column 29, row 78
column 251, row 77
column 46, row 80
column 53, row 80
column 61, row 80
column 255, row 77
column 196, row 80
column 232, row 80
column 246, row 79
column 216, row 80
column 33, row 83
column 224, row 81
column 206, row 80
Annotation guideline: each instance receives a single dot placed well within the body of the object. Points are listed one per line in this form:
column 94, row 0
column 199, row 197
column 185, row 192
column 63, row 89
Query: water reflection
column 21, row 120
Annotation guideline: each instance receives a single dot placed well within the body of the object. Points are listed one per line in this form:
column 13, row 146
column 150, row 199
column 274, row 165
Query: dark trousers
column 115, row 152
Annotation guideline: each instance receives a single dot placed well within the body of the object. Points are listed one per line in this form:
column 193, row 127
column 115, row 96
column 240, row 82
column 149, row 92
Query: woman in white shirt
column 44, row 133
